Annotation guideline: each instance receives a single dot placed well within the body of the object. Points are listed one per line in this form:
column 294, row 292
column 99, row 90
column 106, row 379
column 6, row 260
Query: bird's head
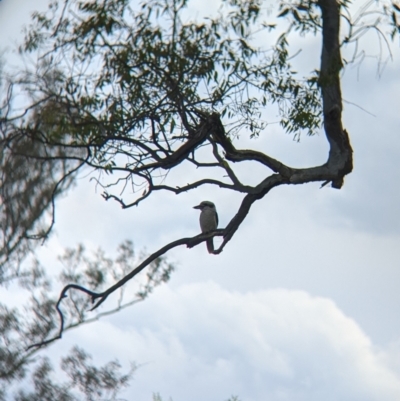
column 204, row 205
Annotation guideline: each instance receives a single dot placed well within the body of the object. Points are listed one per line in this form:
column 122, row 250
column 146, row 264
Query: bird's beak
column 197, row 207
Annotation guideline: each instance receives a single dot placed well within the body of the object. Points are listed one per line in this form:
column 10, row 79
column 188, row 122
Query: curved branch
column 238, row 155
column 340, row 154
column 102, row 296
column 260, row 191
column 60, row 314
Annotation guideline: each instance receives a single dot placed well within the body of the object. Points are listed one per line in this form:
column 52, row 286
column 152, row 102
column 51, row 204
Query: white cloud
column 204, row 342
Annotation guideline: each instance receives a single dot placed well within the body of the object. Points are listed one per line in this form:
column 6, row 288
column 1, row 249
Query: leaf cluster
column 85, row 381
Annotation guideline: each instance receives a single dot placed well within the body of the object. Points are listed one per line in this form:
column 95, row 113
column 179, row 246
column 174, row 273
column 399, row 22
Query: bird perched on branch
column 208, row 221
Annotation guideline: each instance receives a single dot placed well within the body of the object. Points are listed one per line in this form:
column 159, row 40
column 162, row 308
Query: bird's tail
column 210, row 245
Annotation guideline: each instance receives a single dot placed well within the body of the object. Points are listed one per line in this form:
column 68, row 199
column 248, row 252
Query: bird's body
column 208, row 221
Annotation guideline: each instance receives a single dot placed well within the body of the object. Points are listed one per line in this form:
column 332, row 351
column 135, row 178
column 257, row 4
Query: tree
column 133, row 94
column 19, row 327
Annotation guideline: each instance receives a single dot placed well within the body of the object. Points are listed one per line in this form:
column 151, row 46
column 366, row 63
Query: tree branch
column 102, row 296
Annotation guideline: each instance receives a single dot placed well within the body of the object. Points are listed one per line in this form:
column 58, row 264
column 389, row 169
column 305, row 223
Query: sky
column 303, row 303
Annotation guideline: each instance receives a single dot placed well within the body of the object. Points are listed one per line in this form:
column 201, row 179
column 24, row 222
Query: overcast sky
column 303, row 304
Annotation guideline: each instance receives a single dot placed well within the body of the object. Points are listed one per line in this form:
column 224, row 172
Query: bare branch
column 102, row 296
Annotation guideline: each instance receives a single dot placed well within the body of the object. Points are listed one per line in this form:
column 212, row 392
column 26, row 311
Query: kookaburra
column 208, row 221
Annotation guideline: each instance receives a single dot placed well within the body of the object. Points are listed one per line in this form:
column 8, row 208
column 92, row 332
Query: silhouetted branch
column 102, row 296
